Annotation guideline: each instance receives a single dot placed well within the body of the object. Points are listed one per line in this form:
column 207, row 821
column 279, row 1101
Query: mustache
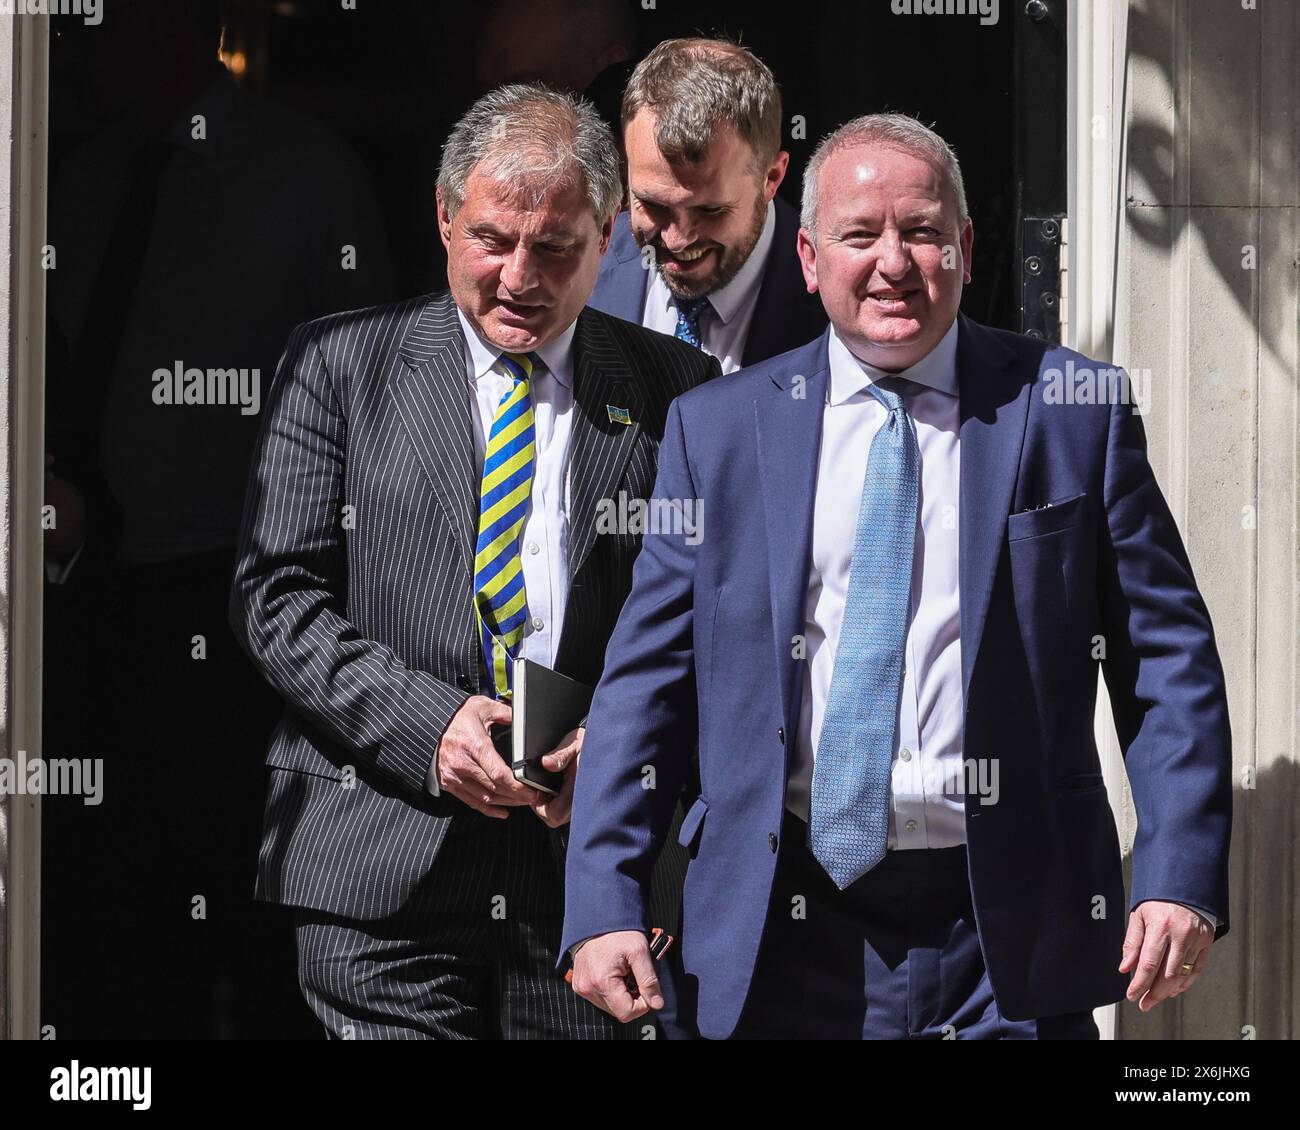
column 656, row 241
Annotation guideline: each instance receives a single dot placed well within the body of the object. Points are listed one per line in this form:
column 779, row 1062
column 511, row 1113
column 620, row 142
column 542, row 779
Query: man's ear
column 967, row 243
column 807, row 259
column 444, row 219
column 775, row 174
column 607, row 233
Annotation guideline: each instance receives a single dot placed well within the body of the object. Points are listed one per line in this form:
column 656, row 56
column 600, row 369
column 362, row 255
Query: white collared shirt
column 928, row 755
column 544, row 545
column 724, row 329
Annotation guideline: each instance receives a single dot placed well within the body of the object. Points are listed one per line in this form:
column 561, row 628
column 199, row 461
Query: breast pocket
column 1045, row 547
column 1049, row 519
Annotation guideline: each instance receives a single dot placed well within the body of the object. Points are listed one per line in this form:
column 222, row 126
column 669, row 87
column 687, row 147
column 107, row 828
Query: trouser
column 894, row 956
column 471, row 955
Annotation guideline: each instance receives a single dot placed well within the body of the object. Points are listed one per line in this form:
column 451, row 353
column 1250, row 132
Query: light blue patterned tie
column 688, row 319
column 850, row 789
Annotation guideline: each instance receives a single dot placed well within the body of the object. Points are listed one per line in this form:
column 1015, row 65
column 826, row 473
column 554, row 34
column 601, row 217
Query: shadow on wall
column 1224, row 106
column 1227, row 1002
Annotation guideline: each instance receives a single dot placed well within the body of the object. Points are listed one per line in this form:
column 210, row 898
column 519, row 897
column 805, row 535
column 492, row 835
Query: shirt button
column 537, row 623
column 780, row 734
column 771, row 840
column 534, row 549
column 906, row 755
column 910, row 825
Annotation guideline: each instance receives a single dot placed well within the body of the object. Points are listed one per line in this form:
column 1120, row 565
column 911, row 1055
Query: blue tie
column 688, row 319
column 850, row 789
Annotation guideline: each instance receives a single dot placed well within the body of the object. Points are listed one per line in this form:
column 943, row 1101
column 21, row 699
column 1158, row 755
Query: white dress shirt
column 544, row 545
column 724, row 329
column 927, row 809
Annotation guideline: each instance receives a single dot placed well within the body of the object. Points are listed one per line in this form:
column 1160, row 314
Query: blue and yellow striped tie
column 500, row 604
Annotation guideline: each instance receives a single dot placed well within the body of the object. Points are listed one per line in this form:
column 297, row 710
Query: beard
column 730, row 260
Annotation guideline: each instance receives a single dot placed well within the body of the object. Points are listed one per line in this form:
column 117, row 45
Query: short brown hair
column 694, row 85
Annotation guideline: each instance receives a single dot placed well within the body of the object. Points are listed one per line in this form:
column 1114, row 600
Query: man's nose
column 893, row 259
column 519, row 272
column 677, row 236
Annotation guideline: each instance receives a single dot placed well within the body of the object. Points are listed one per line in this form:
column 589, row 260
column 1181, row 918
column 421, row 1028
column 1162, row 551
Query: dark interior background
column 392, row 77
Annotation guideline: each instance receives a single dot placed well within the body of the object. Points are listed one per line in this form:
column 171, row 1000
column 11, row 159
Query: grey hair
column 896, row 131
column 533, row 138
column 694, row 85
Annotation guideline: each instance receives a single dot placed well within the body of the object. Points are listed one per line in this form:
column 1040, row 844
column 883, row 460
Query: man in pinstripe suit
column 424, row 504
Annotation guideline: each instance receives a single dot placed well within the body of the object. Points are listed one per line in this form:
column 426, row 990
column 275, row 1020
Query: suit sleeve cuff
column 1214, row 922
column 1210, row 918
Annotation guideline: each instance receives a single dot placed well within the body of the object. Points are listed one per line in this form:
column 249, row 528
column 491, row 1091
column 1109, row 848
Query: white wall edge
column 1095, row 119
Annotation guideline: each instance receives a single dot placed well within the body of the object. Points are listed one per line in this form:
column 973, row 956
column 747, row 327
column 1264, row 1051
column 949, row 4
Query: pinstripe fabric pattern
column 353, row 590
column 471, row 958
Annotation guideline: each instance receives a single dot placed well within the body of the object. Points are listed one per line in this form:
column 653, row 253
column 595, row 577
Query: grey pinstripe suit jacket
column 352, row 591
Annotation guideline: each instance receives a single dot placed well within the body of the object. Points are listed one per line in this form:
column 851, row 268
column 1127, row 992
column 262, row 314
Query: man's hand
column 469, row 766
column 601, row 966
column 556, row 810
column 1161, row 936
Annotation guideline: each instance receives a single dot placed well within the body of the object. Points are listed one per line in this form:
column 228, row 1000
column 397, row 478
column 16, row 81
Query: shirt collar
column 483, row 355
column 728, row 301
column 850, row 374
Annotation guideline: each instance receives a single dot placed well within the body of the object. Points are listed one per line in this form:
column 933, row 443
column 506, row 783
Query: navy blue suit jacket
column 703, row 649
column 785, row 316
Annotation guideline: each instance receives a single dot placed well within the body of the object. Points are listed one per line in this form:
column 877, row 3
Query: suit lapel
column 623, row 277
column 600, row 447
column 994, row 410
column 789, row 431
column 428, row 389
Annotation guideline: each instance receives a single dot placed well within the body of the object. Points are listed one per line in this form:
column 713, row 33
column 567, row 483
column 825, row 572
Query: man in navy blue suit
column 913, row 543
column 706, row 250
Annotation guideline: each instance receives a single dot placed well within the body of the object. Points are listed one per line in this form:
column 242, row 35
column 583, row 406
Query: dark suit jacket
column 785, row 315
column 703, row 647
column 353, row 588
